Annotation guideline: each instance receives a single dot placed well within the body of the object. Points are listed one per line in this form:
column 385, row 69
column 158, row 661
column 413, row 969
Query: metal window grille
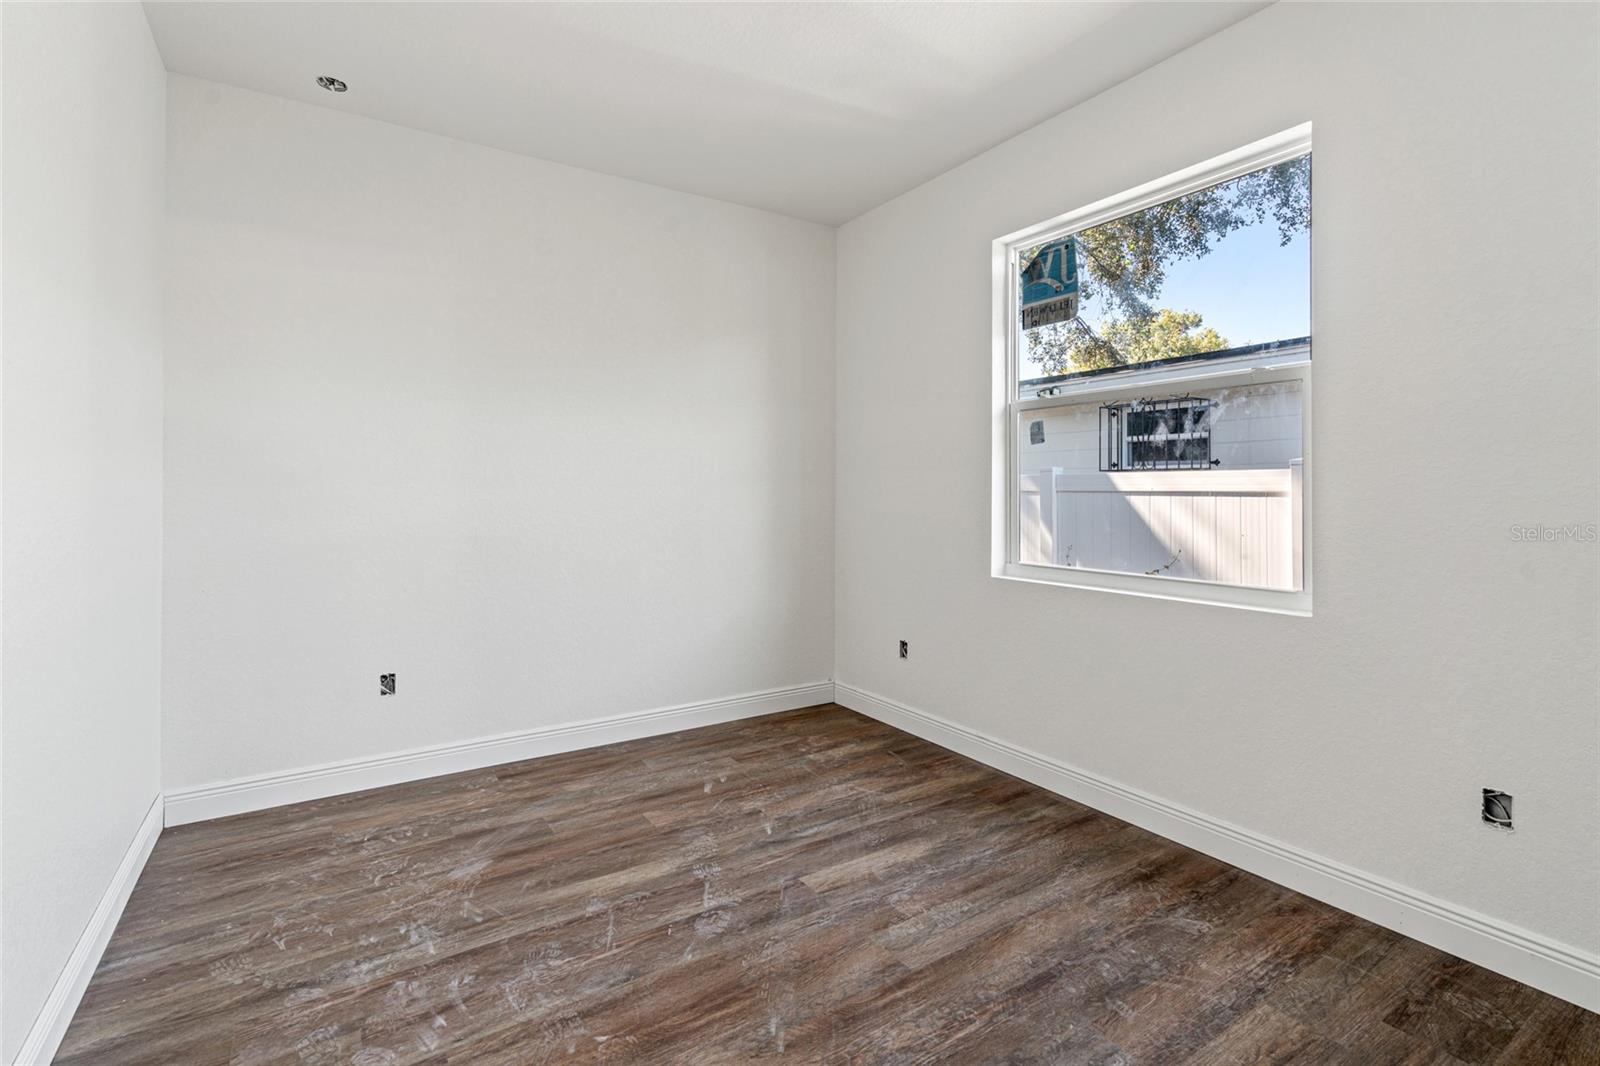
column 1170, row 434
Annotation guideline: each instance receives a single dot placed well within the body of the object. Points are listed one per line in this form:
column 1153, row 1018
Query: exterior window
column 1173, row 434
column 1153, row 424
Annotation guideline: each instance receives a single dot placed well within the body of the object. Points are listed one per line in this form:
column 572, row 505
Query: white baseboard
column 1556, row 968
column 256, row 793
column 39, row 1046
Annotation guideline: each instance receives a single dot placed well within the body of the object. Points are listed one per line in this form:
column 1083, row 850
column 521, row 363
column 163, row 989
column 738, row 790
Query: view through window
column 1162, row 361
column 1224, row 267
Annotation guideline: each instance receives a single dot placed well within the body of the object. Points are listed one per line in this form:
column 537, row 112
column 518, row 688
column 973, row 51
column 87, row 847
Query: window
column 1171, row 434
column 1153, row 378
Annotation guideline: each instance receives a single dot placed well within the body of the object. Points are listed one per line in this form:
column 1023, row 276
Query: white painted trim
column 1292, row 604
column 44, row 1037
column 223, row 798
column 1559, row 969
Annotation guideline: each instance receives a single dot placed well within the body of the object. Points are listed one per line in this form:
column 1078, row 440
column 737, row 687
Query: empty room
column 717, row 533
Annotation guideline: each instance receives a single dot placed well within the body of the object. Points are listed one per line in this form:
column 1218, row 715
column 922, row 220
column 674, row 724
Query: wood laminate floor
column 806, row 887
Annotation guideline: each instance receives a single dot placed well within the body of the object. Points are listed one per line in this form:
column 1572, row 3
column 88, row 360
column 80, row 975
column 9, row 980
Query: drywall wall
column 1455, row 271
column 548, row 445
column 84, row 120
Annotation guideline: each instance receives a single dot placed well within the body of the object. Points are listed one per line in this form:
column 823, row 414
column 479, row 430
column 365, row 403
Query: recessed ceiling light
column 332, row 84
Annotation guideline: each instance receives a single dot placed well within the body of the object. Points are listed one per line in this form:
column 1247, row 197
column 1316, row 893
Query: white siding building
column 1170, row 470
column 1251, row 427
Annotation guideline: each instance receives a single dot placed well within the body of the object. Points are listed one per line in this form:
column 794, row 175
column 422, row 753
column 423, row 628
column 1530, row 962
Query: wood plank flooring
column 811, row 887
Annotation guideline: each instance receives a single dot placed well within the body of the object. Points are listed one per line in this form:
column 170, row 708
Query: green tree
column 1167, row 334
column 1066, row 347
column 1123, row 264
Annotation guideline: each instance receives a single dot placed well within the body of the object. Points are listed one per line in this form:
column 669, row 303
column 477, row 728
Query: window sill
column 1184, row 590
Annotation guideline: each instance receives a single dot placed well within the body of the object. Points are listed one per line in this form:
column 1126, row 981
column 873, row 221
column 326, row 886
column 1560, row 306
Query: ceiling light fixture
column 332, row 84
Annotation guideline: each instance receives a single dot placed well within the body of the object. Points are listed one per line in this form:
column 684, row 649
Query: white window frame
column 1248, row 369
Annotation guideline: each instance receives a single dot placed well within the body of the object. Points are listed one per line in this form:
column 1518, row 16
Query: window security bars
column 1170, row 434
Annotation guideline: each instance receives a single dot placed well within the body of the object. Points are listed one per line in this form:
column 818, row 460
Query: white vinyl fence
column 1240, row 527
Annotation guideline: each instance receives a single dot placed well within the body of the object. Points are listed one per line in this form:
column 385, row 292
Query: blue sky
column 1249, row 289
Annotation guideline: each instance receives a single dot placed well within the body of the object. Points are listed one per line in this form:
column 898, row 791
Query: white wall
column 1455, row 267
column 80, row 545
column 550, row 445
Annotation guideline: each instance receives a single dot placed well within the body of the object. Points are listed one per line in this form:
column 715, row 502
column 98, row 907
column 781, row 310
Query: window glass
column 1225, row 267
column 1202, row 486
column 1162, row 361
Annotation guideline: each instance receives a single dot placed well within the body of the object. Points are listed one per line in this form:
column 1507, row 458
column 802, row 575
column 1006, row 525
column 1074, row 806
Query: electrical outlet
column 905, row 650
column 386, row 684
column 1497, row 808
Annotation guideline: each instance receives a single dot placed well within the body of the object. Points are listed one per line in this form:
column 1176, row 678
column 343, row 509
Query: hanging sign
column 1049, row 285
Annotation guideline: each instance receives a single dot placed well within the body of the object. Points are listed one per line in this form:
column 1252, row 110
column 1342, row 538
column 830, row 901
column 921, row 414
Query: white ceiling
column 820, row 111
